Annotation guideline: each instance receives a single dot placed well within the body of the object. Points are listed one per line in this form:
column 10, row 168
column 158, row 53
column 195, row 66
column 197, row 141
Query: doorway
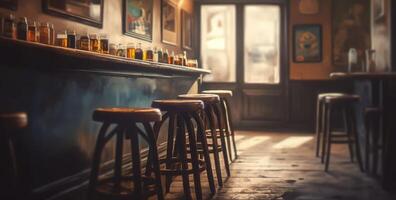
column 244, row 44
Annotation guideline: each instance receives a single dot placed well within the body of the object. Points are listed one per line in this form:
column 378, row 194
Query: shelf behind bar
column 18, row 53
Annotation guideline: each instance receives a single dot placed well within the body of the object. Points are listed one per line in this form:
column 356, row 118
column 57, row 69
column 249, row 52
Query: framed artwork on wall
column 351, row 29
column 307, row 43
column 89, row 12
column 169, row 19
column 9, row 4
column 187, row 30
column 137, row 19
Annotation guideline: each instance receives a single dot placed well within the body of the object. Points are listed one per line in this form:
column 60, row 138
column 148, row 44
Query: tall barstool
column 345, row 104
column 126, row 121
column 181, row 114
column 10, row 124
column 212, row 115
column 320, row 118
column 226, row 117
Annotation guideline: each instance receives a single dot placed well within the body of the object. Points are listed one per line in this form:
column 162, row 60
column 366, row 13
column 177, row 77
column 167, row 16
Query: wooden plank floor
column 283, row 166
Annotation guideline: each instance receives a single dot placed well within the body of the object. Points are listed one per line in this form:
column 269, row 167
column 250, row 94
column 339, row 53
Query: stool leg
column 118, row 158
column 367, row 146
column 93, row 179
column 324, row 132
column 183, row 155
column 169, row 149
column 222, row 138
column 203, row 139
column 328, row 135
column 212, row 126
column 223, row 112
column 194, row 156
column 356, row 135
column 318, row 125
column 154, row 159
column 375, row 139
column 231, row 125
column 349, row 130
column 137, row 179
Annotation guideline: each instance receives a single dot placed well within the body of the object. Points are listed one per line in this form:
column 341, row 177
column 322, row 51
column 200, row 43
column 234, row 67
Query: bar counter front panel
column 61, row 136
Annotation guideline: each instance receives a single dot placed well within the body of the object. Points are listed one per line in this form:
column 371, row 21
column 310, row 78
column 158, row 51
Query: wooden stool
column 181, row 114
column 320, row 118
column 372, row 117
column 343, row 103
column 226, row 118
column 213, row 116
column 119, row 186
column 10, row 123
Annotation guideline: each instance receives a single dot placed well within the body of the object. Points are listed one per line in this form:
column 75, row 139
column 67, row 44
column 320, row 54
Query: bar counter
column 60, row 88
column 377, row 89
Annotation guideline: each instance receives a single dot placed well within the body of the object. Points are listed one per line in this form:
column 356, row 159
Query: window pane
column 218, row 42
column 262, row 33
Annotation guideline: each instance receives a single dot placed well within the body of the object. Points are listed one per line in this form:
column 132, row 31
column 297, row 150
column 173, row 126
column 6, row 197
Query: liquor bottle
column 171, row 59
column 149, row 54
column 32, row 31
column 22, row 29
column 165, row 57
column 155, row 56
column 10, row 30
column 139, row 52
column 159, row 55
column 71, row 39
column 131, row 51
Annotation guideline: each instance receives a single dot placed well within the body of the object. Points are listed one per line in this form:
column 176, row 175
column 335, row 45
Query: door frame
column 239, row 84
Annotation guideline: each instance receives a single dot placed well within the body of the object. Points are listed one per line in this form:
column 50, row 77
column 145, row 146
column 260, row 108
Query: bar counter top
column 42, row 56
column 363, row 75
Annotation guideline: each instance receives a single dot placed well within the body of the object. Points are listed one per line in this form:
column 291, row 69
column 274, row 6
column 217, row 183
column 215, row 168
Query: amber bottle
column 149, row 54
column 44, row 33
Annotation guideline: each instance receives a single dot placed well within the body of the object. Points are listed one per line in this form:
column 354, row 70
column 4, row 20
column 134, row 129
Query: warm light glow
column 253, row 141
column 292, row 142
column 180, row 4
column 239, row 137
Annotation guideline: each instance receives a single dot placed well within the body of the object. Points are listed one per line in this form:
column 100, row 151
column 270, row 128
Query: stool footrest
column 179, row 171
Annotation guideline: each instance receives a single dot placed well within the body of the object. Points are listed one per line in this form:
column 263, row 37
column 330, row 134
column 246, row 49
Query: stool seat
column 344, row 98
column 115, row 115
column 206, row 98
column 221, row 93
column 11, row 121
column 178, row 105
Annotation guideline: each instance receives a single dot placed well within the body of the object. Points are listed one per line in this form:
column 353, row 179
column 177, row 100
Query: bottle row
column 45, row 33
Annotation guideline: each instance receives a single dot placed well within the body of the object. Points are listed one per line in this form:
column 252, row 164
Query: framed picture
column 9, row 4
column 378, row 9
column 307, row 43
column 89, row 12
column 169, row 19
column 350, row 31
column 137, row 19
column 187, row 30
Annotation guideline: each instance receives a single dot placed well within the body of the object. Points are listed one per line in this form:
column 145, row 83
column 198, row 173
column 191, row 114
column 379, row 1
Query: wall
column 112, row 24
column 312, row 71
column 381, row 40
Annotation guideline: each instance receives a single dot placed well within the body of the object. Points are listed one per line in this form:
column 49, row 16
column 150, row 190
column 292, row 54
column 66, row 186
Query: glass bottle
column 62, row 39
column 71, row 39
column 370, row 60
column 165, row 56
column 139, row 52
column 32, row 30
column 85, row 42
column 171, row 59
column 184, row 62
column 22, row 29
column 131, row 51
column 95, row 43
column 44, row 33
column 113, row 49
column 160, row 55
column 149, row 54
column 52, row 34
column 104, row 43
column 121, row 51
column 181, row 60
column 10, row 30
column 155, row 55
column 37, row 31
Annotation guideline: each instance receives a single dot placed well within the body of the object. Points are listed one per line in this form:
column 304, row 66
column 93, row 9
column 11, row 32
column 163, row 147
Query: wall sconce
column 309, row 7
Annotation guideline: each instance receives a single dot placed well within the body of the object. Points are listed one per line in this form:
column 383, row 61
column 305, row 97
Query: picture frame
column 187, row 23
column 307, row 43
column 9, row 4
column 137, row 19
column 169, row 25
column 350, row 32
column 378, row 9
column 89, row 12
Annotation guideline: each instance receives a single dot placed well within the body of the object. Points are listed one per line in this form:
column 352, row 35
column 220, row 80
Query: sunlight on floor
column 239, row 137
column 251, row 142
column 292, row 142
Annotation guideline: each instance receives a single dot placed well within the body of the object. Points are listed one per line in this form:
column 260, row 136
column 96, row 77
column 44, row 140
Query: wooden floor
column 283, row 166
